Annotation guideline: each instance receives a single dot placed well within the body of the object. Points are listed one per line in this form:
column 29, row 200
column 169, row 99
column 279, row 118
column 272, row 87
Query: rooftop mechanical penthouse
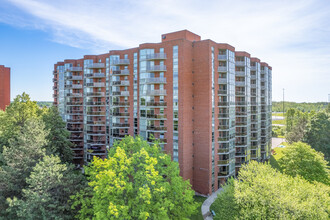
column 208, row 105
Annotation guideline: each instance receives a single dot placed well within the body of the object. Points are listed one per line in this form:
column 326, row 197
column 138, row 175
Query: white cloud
column 292, row 36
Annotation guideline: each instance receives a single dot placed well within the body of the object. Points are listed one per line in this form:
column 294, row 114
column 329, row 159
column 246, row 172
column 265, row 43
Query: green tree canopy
column 137, row 181
column 20, row 157
column 318, row 133
column 15, row 117
column 49, row 188
column 261, row 192
column 300, row 159
column 58, row 137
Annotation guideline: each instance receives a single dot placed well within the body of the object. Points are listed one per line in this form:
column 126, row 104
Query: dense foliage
column 261, row 192
column 137, row 181
column 318, row 133
column 33, row 183
column 50, row 185
column 300, row 159
column 304, row 107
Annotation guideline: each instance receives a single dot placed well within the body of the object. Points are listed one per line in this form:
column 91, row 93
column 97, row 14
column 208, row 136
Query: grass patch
column 200, row 200
column 277, row 154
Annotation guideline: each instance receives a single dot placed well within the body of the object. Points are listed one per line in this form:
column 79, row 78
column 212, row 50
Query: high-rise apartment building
column 4, row 87
column 208, row 105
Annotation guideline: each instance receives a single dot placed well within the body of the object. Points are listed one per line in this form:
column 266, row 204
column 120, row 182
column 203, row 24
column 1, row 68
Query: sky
column 292, row 36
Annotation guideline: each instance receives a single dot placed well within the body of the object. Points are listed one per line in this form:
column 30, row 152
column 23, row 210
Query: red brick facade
column 4, row 87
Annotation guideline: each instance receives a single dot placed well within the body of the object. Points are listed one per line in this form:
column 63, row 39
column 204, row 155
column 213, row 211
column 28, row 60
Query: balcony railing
column 157, row 128
column 74, row 69
column 222, row 68
column 95, row 75
column 120, row 125
column 240, row 73
column 156, row 116
column 74, row 94
column 156, row 103
column 120, row 72
column 158, row 80
column 253, row 68
column 120, row 62
column 120, row 114
column 74, row 77
column 222, row 56
column 95, row 94
column 74, row 86
column 156, row 68
column 156, row 56
column 120, row 93
column 222, row 162
column 154, row 92
column 96, row 65
column 120, row 83
column 240, row 63
column 120, row 103
column 240, row 83
column 222, row 80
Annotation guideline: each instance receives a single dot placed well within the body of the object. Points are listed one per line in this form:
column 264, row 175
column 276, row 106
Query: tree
column 318, row 133
column 15, row 117
column 49, row 187
column 261, row 192
column 300, row 159
column 58, row 137
column 20, row 157
column 137, row 181
column 225, row 205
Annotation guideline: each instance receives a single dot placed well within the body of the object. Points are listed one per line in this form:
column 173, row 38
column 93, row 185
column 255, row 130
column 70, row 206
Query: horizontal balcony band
column 95, row 75
column 156, row 68
column 120, row 62
column 74, row 77
column 120, row 83
column 95, row 66
column 120, row 93
column 121, row 72
column 156, row 56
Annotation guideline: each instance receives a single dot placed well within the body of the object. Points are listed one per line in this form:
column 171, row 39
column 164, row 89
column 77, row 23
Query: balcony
column 240, row 63
column 120, row 125
column 222, row 56
column 120, row 114
column 74, row 86
column 241, row 154
column 253, row 86
column 95, row 94
column 95, row 112
column 223, row 150
column 241, row 123
column 223, row 162
column 75, row 120
column 96, row 84
column 120, row 103
column 54, row 87
column 163, row 104
column 74, row 112
column 120, row 83
column 222, row 81
column 240, row 93
column 253, row 77
column 241, row 103
column 95, row 103
column 74, row 77
column 240, row 73
column 73, row 129
column 253, row 68
column 74, row 94
column 120, row 62
column 95, row 123
column 120, row 93
column 156, row 116
column 121, row 72
column 156, row 128
column 222, row 68
column 154, row 92
column 74, row 69
column 223, row 115
column 158, row 80
column 54, row 80
column 76, row 138
column 240, row 83
column 96, row 66
column 156, row 56
column 156, row 68
column 95, row 75
column 95, row 131
column 221, row 103
column 223, row 127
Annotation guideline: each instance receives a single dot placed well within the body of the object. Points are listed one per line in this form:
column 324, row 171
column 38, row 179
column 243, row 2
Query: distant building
column 4, row 87
column 208, row 105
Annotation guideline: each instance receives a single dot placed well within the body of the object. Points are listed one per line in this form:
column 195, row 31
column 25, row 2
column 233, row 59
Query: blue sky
column 292, row 36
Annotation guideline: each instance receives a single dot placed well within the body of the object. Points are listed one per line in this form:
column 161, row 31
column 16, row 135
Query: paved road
column 207, row 203
column 277, row 141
